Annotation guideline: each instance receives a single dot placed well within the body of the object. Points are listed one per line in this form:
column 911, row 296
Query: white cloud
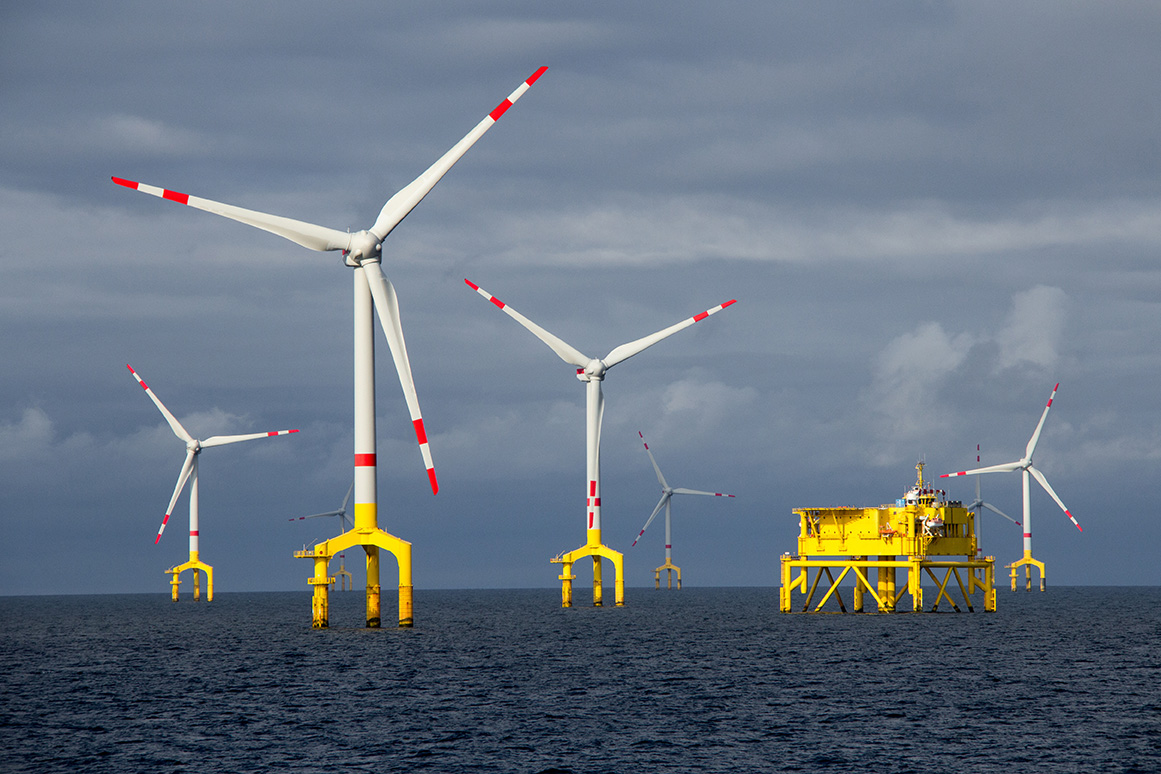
column 1033, row 329
column 27, row 439
column 627, row 230
column 903, row 394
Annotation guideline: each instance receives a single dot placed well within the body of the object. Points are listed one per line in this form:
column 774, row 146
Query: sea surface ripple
column 713, row 680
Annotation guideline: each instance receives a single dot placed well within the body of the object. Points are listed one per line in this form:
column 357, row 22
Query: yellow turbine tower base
column 671, row 568
column 371, row 540
column 1027, row 562
column 195, row 565
column 596, row 550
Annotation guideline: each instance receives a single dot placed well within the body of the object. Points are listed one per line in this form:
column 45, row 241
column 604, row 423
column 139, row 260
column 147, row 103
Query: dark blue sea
column 713, row 680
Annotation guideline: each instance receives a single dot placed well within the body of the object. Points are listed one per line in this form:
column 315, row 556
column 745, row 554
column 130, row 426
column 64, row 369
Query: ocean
column 697, row 680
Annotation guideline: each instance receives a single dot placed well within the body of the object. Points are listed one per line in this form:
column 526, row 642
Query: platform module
column 922, row 533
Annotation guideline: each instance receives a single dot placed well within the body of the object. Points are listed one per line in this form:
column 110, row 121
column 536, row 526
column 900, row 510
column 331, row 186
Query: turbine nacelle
column 363, row 246
column 595, row 370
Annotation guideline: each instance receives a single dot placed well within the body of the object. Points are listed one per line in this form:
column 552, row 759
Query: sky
column 929, row 212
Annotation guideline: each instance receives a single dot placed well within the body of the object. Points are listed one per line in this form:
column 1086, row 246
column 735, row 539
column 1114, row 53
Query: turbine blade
column 186, row 469
column 1006, row 467
column 566, row 352
column 306, row 234
column 1036, row 434
column 660, row 478
column 387, row 307
column 404, row 201
column 660, row 504
column 679, row 490
column 626, row 351
column 343, row 508
column 174, row 425
column 1047, row 488
column 222, row 440
column 994, row 509
column 316, row 515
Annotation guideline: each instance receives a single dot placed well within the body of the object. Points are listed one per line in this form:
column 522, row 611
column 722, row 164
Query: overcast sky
column 930, row 213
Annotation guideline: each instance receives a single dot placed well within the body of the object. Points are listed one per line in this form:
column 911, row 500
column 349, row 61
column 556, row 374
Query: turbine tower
column 591, row 371
column 189, row 472
column 373, row 293
column 667, row 493
column 1026, row 468
column 345, row 581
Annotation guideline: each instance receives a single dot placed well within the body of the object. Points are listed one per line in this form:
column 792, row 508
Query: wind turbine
column 591, row 371
column 363, row 251
column 979, row 503
column 1025, row 466
column 189, row 472
column 346, row 582
column 667, row 493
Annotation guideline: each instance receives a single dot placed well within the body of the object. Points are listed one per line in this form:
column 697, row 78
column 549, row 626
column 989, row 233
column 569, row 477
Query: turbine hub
column 594, row 370
column 364, row 246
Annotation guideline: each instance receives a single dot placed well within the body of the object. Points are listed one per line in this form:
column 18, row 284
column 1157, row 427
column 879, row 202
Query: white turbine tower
column 344, row 576
column 189, row 472
column 363, row 251
column 1025, row 466
column 591, row 371
column 667, row 493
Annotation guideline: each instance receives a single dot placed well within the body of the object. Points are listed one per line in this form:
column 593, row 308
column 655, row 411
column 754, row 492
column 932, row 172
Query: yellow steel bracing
column 195, row 565
column 371, row 539
column 597, row 551
column 919, row 533
column 1028, row 563
column 670, row 568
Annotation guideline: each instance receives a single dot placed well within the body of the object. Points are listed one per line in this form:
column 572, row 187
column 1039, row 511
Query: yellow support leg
column 566, row 578
column 597, row 551
column 320, row 607
column 598, row 591
column 373, row 620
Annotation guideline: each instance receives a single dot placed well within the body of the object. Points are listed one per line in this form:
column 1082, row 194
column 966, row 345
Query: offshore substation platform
column 922, row 533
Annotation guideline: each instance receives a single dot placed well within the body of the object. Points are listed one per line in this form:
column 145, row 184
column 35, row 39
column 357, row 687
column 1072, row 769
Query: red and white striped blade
column 387, row 307
column 303, row 233
column 174, row 425
column 186, row 468
column 222, row 440
column 656, row 468
column 404, row 201
column 1036, row 434
column 1047, row 488
column 1006, row 467
column 660, row 504
column 566, row 352
column 996, row 510
column 626, row 351
column 679, row 490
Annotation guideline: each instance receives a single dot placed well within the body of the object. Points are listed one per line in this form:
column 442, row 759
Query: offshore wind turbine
column 667, row 493
column 591, row 371
column 1027, row 469
column 345, row 581
column 979, row 503
column 373, row 293
column 189, row 472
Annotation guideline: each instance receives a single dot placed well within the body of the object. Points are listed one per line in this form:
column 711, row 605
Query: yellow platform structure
column 923, row 533
column 372, row 539
column 195, row 565
column 669, row 567
column 594, row 548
